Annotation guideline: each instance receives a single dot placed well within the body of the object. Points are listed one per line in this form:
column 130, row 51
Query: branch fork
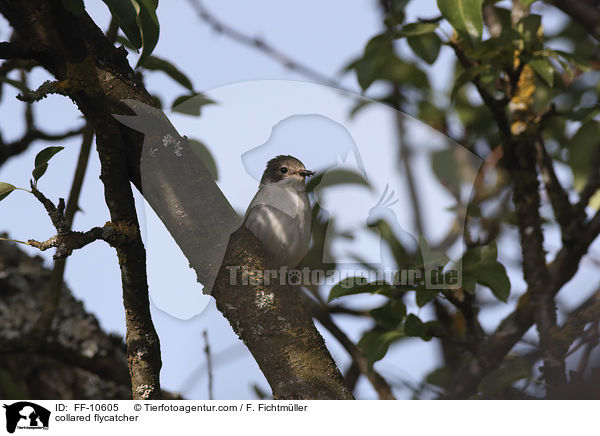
column 66, row 240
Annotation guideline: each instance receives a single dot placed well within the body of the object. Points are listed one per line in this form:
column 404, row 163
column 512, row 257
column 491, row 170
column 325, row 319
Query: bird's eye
column 283, row 170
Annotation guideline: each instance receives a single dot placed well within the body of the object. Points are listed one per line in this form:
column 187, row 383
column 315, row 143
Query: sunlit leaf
column 544, row 68
column 465, row 16
column 5, row 190
column 416, row 29
column 147, row 22
column 124, row 12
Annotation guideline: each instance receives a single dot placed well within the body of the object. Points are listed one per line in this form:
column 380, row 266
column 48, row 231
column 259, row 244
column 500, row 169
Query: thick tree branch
column 14, row 50
column 277, row 328
column 80, row 52
column 99, row 77
column 520, row 163
column 42, row 326
column 66, row 240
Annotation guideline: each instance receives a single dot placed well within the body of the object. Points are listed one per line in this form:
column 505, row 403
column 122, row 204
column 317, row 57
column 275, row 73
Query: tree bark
column 97, row 77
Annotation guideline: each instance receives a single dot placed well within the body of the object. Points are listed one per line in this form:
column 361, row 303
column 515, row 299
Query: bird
column 279, row 215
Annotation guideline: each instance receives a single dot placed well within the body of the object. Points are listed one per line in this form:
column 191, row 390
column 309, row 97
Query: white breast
column 280, row 217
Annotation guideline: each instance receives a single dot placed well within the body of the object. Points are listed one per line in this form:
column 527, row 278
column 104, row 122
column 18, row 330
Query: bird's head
column 287, row 168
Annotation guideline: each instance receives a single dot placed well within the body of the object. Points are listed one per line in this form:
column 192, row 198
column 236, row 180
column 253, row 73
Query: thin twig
column 208, row 365
column 11, row 149
column 261, row 45
column 44, row 322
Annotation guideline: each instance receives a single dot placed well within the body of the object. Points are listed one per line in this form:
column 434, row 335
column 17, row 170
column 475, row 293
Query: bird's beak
column 306, row 173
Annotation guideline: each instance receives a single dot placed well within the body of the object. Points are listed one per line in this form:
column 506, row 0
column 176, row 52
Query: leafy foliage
column 139, row 22
column 5, row 190
column 41, row 161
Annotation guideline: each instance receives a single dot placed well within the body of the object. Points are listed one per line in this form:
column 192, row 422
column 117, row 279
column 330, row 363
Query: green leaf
column 357, row 285
column 380, row 62
column 375, row 344
column 360, row 105
column 124, row 12
column 126, row 43
column 427, row 46
column 158, row 64
column 581, row 146
column 572, row 58
column 41, row 161
column 480, row 264
column 438, row 377
column 466, row 76
column 527, row 2
column 147, row 22
column 416, row 29
column 529, row 27
column 424, row 296
column 76, row 7
column 585, row 114
column 336, row 177
column 544, row 68
column 465, row 16
column 200, row 150
column 191, row 104
column 413, row 326
column 504, row 377
column 39, row 171
column 5, row 190
column 443, row 164
column 390, row 315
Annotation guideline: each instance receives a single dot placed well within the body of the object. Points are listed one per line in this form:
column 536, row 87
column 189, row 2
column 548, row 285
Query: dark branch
column 16, row 147
column 14, row 50
column 276, row 326
column 59, row 87
column 559, row 199
column 66, row 240
column 584, row 13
